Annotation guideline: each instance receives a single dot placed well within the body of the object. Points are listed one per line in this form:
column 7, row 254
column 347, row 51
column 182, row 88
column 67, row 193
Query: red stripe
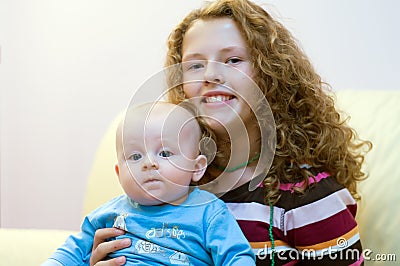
column 352, row 209
column 293, row 262
column 324, row 230
column 254, row 231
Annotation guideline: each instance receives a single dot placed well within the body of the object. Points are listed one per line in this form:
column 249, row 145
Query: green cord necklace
column 237, row 166
column 271, row 236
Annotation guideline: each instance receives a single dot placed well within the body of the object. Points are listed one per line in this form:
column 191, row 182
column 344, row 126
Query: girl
column 304, row 209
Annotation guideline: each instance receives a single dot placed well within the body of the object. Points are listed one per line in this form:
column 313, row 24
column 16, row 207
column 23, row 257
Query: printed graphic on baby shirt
column 119, row 222
column 166, row 231
column 179, row 258
column 170, row 234
column 146, row 247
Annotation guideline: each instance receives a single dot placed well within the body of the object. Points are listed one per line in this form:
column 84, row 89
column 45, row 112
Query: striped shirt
column 314, row 228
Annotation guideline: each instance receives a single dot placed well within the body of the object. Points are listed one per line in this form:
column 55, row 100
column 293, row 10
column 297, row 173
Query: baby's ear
column 116, row 169
column 199, row 168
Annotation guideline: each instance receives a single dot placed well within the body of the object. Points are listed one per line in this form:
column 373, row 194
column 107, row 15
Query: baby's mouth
column 152, row 180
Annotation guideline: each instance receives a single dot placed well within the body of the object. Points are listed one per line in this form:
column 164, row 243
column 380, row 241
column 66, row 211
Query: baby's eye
column 165, row 153
column 135, row 157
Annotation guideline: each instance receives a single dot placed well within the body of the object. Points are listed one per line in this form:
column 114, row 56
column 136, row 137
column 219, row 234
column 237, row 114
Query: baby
column 168, row 221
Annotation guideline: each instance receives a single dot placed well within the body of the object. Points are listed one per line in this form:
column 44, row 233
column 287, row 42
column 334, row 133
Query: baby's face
column 160, row 155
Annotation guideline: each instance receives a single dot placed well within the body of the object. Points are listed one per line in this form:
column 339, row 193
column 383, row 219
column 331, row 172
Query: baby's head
column 158, row 153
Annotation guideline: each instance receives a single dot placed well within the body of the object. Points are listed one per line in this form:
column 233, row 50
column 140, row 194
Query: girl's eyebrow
column 191, row 56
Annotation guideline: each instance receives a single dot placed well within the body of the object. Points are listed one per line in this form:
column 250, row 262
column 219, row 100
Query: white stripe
column 253, row 211
column 318, row 210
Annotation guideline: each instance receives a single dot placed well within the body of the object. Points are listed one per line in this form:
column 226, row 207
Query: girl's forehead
column 223, row 31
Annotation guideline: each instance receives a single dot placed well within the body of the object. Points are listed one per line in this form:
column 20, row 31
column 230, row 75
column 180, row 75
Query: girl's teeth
column 218, row 98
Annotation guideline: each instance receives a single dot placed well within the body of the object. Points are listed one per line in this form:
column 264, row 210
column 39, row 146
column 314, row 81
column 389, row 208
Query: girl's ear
column 116, row 169
column 199, row 168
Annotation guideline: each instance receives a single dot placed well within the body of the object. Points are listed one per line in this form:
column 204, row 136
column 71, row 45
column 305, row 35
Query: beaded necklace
column 232, row 169
column 271, row 237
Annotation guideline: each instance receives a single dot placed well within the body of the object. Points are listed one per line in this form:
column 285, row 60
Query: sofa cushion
column 376, row 117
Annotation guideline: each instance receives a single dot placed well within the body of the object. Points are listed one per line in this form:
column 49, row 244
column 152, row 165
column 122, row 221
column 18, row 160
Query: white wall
column 69, row 67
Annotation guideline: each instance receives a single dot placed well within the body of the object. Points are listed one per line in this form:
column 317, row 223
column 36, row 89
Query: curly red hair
column 308, row 126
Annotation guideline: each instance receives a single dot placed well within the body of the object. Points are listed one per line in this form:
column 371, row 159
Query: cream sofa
column 375, row 115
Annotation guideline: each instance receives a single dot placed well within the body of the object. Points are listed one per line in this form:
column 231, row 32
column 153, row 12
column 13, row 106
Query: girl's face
column 217, row 72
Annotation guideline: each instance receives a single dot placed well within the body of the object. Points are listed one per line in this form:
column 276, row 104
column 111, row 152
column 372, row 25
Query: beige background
column 69, row 67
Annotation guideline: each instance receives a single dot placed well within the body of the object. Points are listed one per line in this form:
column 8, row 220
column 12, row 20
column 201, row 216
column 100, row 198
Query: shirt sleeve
column 226, row 242
column 51, row 262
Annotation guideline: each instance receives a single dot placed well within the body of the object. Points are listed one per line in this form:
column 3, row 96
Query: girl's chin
column 222, row 125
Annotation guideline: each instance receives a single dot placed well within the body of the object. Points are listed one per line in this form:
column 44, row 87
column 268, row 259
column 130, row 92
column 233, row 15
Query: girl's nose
column 214, row 73
column 149, row 164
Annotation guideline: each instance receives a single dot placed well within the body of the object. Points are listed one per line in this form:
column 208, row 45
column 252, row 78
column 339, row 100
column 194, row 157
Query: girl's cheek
column 193, row 77
column 191, row 89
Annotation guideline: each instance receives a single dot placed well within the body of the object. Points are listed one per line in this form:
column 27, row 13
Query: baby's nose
column 149, row 164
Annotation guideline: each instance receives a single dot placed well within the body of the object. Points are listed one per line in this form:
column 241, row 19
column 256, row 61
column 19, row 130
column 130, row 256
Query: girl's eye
column 233, row 61
column 135, row 157
column 165, row 154
column 194, row 65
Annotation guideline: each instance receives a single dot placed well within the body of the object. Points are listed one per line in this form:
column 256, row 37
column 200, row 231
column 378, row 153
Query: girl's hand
column 101, row 248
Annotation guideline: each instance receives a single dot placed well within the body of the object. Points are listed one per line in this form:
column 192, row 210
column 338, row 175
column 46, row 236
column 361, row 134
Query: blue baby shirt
column 201, row 231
